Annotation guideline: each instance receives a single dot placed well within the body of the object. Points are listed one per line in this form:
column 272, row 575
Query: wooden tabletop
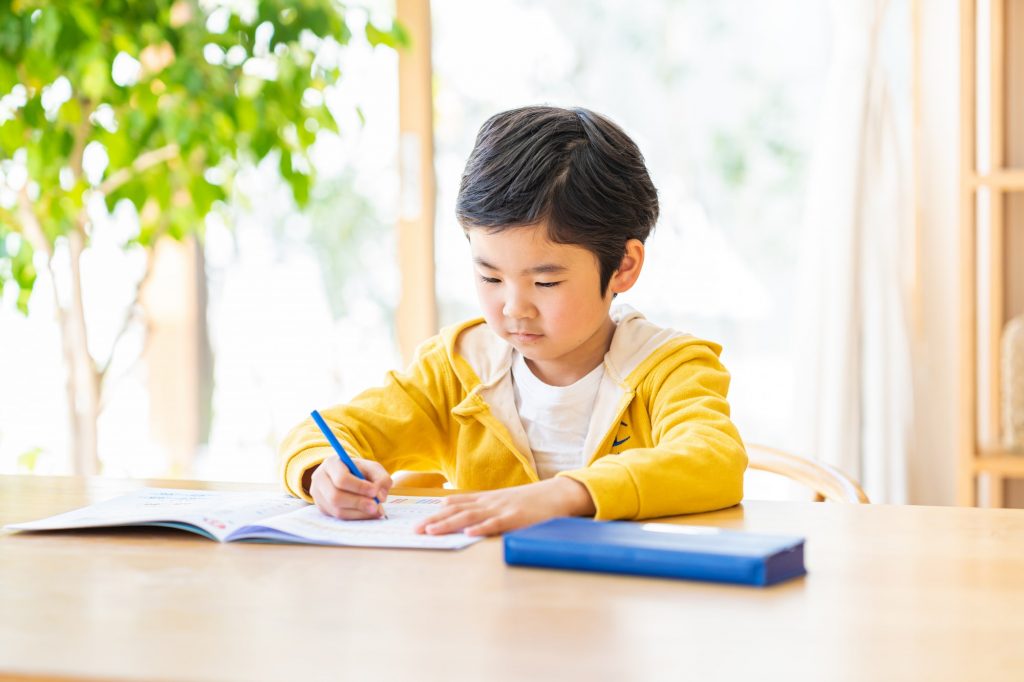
column 898, row 593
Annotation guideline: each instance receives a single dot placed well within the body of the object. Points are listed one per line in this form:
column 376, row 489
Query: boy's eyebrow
column 537, row 269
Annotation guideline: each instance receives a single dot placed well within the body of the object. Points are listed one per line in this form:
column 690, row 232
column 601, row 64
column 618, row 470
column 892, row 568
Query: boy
column 554, row 404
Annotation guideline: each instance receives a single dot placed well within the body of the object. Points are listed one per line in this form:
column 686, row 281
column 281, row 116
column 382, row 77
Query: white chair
column 827, row 482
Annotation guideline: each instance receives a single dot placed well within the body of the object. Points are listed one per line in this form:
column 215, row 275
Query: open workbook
column 256, row 517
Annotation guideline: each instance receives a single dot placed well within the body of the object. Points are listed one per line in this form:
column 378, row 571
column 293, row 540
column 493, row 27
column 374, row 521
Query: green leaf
column 203, row 195
column 223, row 127
column 21, row 269
column 379, row 37
column 316, row 20
column 86, row 19
column 12, row 136
column 158, row 188
column 264, row 142
column 33, row 113
column 300, row 184
column 245, row 114
column 70, row 113
column 134, row 192
column 120, row 150
column 8, row 77
column 28, row 459
column 96, row 78
column 123, row 42
column 402, row 36
column 46, row 31
column 394, row 37
column 12, row 36
column 343, row 34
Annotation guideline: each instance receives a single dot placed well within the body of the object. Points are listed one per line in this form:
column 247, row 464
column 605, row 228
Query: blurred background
column 218, row 215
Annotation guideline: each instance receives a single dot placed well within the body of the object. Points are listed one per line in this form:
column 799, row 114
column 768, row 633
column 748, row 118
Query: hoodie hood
column 482, row 358
column 483, row 365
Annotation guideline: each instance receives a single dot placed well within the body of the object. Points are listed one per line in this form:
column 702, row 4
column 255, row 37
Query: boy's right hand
column 338, row 493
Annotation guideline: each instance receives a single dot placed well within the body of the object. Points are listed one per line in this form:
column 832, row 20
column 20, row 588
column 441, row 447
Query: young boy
column 553, row 404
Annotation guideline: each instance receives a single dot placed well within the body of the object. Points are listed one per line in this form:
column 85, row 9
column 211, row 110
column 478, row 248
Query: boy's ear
column 625, row 277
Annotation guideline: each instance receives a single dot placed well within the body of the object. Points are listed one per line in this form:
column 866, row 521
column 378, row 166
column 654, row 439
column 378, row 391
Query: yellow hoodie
column 660, row 440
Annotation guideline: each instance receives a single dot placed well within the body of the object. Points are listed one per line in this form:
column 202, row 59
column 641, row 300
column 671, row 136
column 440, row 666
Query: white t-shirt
column 556, row 418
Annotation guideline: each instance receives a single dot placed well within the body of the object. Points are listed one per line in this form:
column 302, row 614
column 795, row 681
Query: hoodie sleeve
column 697, row 459
column 402, row 424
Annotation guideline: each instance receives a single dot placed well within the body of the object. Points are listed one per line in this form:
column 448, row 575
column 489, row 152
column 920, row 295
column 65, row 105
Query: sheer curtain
column 854, row 397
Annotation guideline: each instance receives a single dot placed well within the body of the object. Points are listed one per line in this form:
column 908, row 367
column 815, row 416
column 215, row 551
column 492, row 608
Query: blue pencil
column 342, row 455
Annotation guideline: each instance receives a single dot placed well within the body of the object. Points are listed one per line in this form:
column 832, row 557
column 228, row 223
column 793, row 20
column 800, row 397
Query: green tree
column 166, row 98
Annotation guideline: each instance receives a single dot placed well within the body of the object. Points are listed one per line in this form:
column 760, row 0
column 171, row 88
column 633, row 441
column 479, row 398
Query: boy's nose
column 517, row 307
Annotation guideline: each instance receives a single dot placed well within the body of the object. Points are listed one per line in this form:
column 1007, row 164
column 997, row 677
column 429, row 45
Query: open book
column 259, row 517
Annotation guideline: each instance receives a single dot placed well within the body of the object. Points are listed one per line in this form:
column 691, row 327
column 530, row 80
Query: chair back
column 827, row 482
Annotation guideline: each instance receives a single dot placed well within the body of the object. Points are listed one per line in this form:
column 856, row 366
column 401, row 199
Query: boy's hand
column 338, row 493
column 497, row 511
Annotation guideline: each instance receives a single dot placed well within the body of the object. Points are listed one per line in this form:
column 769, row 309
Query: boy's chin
column 534, row 354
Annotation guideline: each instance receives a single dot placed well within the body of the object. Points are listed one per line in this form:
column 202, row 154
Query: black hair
column 573, row 168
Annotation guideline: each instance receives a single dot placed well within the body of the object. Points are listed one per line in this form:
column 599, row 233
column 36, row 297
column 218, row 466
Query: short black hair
column 573, row 168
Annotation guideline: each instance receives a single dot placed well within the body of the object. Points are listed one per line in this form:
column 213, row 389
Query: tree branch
column 113, row 381
column 141, row 164
column 31, row 225
column 130, row 314
column 81, row 136
column 77, row 154
column 132, row 311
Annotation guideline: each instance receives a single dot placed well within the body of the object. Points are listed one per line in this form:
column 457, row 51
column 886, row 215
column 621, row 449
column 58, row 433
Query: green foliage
column 341, row 221
column 16, row 265
column 169, row 89
column 730, row 160
column 27, row 460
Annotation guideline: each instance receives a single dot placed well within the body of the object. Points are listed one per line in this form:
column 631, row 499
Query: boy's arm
column 402, row 424
column 698, row 459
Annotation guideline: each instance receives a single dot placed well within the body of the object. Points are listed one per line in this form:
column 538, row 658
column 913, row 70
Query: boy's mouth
column 524, row 337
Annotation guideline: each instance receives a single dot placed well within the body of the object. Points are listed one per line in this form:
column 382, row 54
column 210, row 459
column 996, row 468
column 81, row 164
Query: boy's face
column 544, row 299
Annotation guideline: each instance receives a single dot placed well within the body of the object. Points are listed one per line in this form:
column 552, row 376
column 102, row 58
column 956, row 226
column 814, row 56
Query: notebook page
column 214, row 513
column 309, row 525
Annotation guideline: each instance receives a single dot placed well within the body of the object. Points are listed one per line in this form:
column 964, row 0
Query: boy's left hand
column 497, row 511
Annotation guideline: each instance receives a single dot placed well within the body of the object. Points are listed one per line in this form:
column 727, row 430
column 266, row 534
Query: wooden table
column 893, row 593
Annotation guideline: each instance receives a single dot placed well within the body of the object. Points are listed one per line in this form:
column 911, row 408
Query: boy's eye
column 548, row 285
column 490, row 280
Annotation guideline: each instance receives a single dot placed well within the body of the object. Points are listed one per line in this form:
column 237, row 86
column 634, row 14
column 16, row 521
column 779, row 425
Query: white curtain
column 854, row 384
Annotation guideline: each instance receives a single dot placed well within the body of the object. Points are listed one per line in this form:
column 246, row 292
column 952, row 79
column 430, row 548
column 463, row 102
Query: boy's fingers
column 378, row 476
column 334, row 470
column 491, row 526
column 342, row 513
column 342, row 479
column 338, row 509
column 456, row 522
column 434, row 518
column 349, row 514
column 342, row 504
